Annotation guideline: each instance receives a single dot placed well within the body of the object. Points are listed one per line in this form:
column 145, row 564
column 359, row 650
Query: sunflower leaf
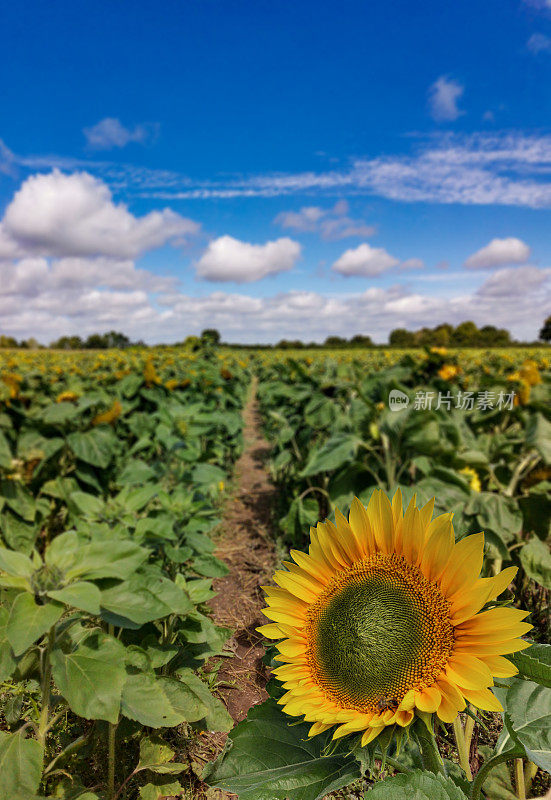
column 419, row 785
column 534, row 663
column 270, row 760
column 528, row 718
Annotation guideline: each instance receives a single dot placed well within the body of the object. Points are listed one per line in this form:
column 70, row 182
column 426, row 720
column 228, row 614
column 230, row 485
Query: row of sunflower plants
column 111, row 470
column 476, row 433
column 408, row 661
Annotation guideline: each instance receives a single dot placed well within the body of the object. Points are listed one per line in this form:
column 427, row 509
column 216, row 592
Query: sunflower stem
column 519, row 779
column 529, row 774
column 488, row 766
column 430, row 754
column 462, row 750
column 469, row 728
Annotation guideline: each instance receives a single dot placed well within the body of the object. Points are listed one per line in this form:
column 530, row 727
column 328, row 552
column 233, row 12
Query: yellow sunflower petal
column 466, row 670
column 492, row 648
column 484, row 699
column 370, row 734
column 500, row 667
column 464, row 565
column 270, row 631
column 428, row 699
column 361, row 525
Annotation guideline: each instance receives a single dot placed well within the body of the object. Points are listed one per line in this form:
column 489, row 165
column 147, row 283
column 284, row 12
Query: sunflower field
column 111, row 469
column 408, row 651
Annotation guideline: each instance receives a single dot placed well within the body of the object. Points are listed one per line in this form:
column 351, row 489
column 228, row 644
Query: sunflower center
column 379, row 629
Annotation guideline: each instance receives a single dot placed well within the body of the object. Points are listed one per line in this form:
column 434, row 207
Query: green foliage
column 108, row 488
column 270, row 760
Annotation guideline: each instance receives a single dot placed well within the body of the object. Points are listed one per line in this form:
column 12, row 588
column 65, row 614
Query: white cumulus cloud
column 365, row 260
column 444, row 95
column 229, row 259
column 74, row 215
column 110, row 132
column 499, row 253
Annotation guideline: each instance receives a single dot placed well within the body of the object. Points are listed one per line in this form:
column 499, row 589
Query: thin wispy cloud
column 330, row 223
column 508, row 168
column 539, row 43
column 110, row 133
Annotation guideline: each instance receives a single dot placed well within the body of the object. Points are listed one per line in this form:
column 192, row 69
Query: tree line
column 466, row 334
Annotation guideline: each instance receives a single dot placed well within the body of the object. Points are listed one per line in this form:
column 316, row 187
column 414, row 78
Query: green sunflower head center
column 379, row 629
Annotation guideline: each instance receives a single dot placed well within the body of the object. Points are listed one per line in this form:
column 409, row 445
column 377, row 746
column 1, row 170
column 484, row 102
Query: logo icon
column 397, row 400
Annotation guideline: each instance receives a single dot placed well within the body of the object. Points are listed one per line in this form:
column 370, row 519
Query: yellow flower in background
column 13, row 381
column 110, row 416
column 448, row 371
column 472, row 475
column 172, row 384
column 150, row 373
column 382, row 620
column 67, row 397
column 529, row 373
column 439, row 351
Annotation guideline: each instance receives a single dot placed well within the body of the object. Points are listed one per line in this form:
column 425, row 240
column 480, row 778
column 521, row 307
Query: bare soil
column 246, row 545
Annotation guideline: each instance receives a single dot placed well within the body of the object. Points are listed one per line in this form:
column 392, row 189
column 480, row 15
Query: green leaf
column 19, row 535
column 85, row 504
column 94, row 447
column 158, row 791
column 498, row 515
column 337, row 451
column 159, row 702
column 5, row 452
column 208, row 474
column 114, row 559
column 271, row 760
column 59, row 413
column 538, row 435
column 28, row 621
column 16, row 569
column 534, row 663
column 417, row 785
column 210, row 566
column 144, row 598
column 82, row 594
column 535, row 558
column 7, row 661
column 136, row 472
column 92, row 676
column 216, row 716
column 18, row 499
column 528, row 707
column 155, row 755
column 20, row 766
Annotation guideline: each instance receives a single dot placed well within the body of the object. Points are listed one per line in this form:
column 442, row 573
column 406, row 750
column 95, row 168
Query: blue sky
column 274, row 169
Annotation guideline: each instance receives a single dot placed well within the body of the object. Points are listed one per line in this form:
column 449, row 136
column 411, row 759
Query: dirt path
column 246, row 545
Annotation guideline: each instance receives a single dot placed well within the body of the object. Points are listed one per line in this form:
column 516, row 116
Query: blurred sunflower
column 380, row 621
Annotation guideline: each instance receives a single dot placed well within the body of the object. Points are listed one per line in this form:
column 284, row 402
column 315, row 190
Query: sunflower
column 382, row 620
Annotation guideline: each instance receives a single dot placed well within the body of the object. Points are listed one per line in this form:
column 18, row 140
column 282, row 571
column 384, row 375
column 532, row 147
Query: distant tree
column 212, row 336
column 335, row 341
column 442, row 335
column 400, row 337
column 465, row 334
column 116, row 339
column 290, row 344
column 545, row 333
column 490, row 336
column 68, row 343
column 361, row 340
column 8, row 341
